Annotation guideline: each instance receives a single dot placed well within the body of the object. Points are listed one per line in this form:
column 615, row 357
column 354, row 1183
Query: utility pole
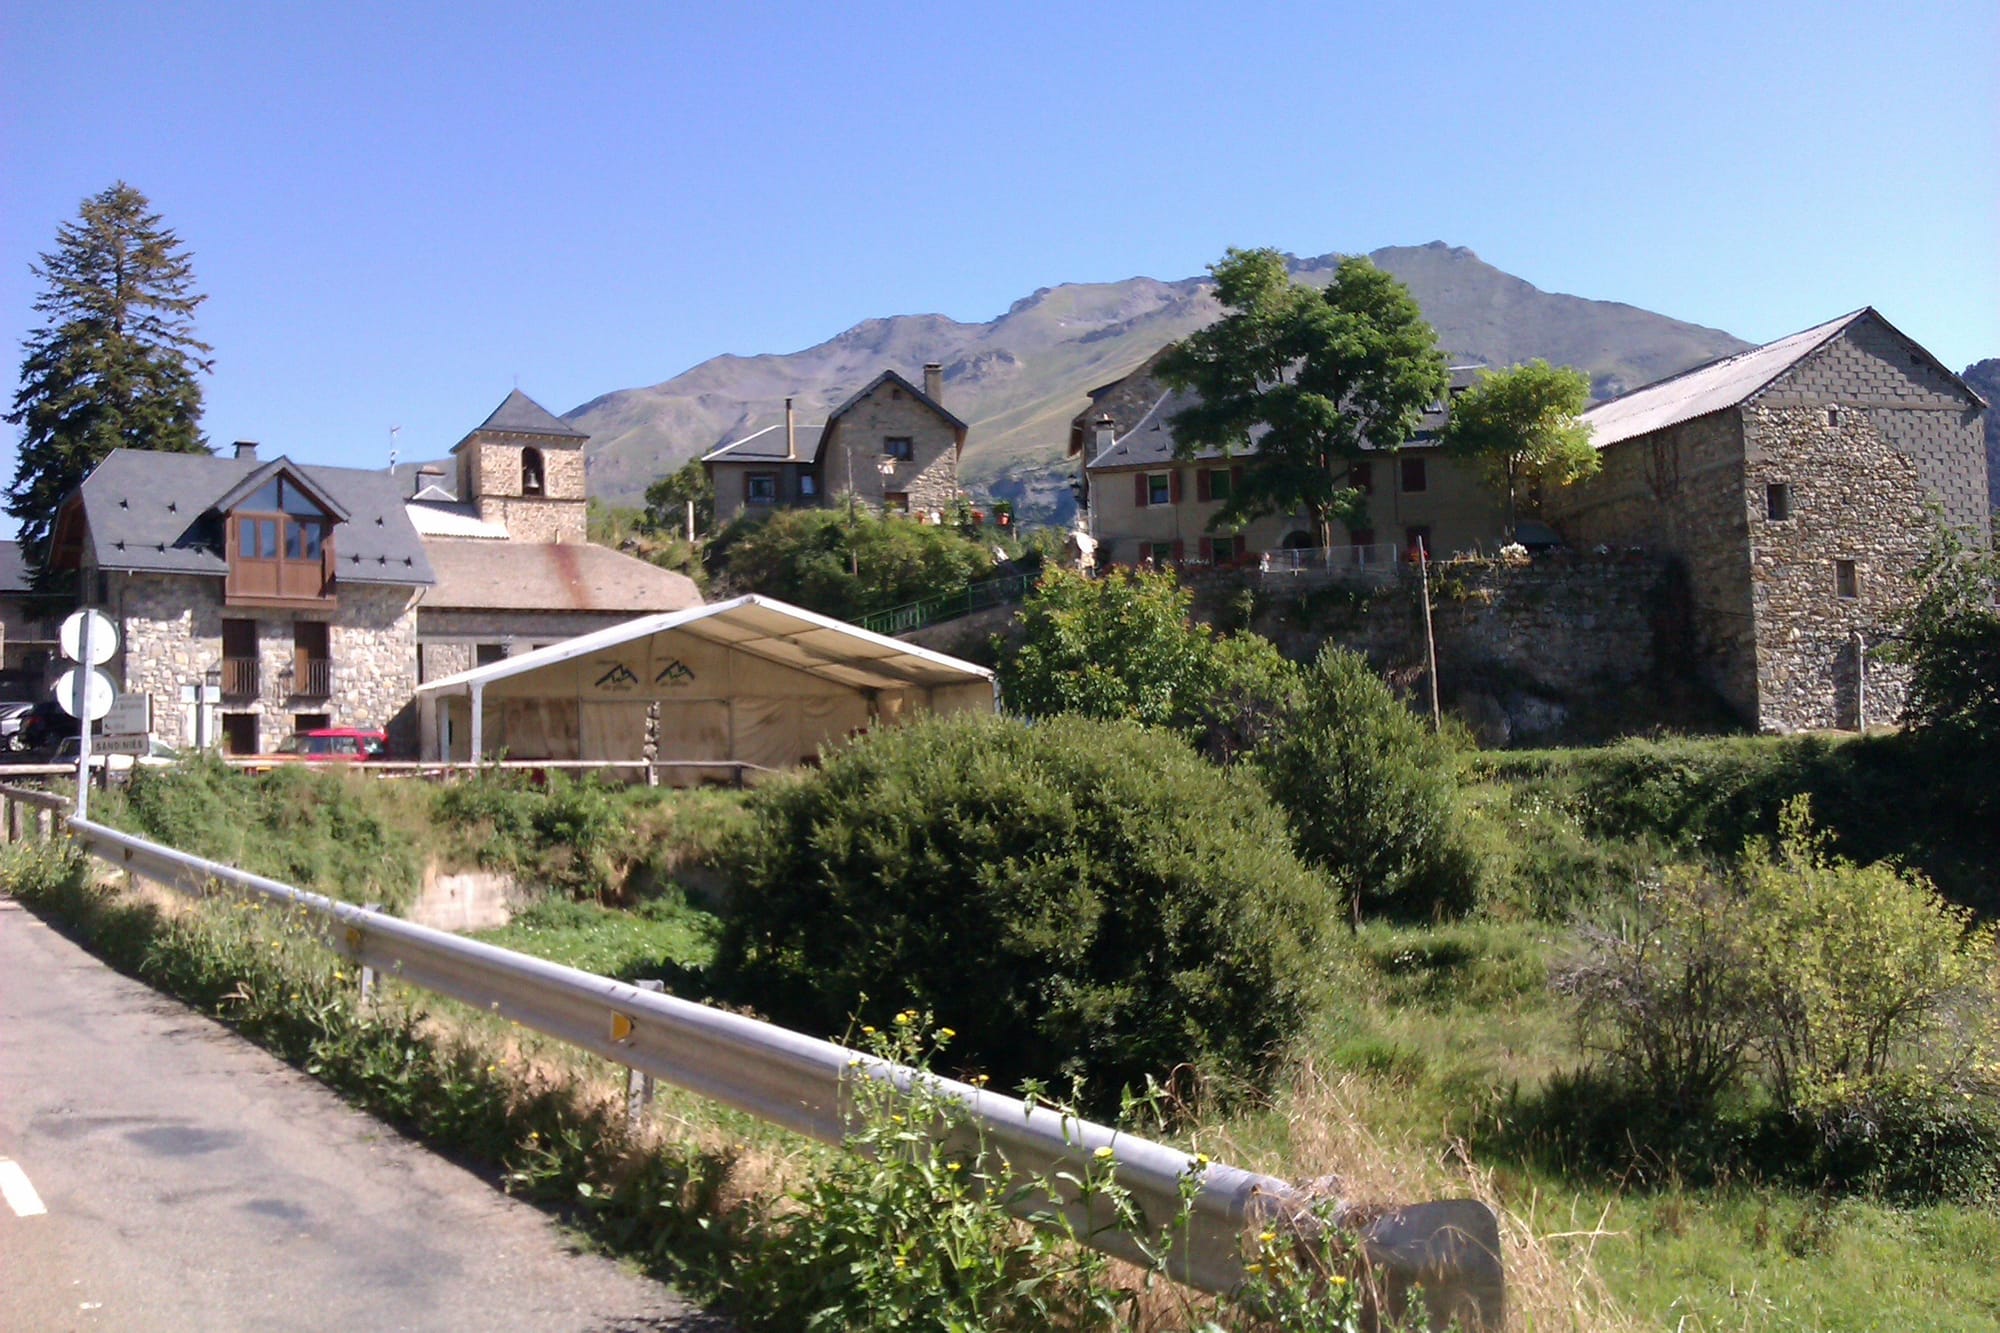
column 1430, row 639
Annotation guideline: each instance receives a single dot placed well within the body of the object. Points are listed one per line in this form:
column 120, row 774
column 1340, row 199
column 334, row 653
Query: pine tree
column 114, row 364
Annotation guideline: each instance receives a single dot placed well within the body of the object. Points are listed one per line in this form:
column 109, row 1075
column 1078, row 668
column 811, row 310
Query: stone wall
column 171, row 636
column 1679, row 492
column 530, row 520
column 490, row 478
column 853, row 447
column 448, row 639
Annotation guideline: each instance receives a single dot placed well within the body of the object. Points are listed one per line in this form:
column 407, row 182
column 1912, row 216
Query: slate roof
column 15, row 577
column 1150, row 442
column 1709, row 388
column 519, row 414
column 477, row 575
column 155, row 513
column 767, row 445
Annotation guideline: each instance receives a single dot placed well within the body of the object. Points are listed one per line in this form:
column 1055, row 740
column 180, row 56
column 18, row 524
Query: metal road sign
column 125, row 743
column 130, row 715
column 103, row 637
column 85, row 692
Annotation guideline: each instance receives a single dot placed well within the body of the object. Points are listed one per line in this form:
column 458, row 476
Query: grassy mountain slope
column 1018, row 379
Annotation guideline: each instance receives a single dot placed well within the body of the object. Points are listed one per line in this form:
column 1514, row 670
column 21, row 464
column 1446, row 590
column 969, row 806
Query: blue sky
column 399, row 209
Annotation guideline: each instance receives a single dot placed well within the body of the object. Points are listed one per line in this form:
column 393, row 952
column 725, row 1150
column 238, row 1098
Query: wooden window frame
column 1414, row 467
column 750, row 495
column 900, row 447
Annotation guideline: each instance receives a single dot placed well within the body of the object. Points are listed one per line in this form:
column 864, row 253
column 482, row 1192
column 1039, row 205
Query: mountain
column 1018, row 379
column 1984, row 377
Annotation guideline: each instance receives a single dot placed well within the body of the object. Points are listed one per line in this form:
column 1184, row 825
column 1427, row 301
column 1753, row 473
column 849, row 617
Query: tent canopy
column 747, row 680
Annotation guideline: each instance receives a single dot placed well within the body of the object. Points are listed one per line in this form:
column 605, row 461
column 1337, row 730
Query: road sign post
column 85, row 693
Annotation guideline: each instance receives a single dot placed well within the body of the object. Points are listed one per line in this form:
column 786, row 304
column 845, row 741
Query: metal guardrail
column 949, row 606
column 1451, row 1249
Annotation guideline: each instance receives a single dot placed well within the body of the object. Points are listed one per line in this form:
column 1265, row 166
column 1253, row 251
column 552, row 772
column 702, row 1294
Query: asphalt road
column 191, row 1181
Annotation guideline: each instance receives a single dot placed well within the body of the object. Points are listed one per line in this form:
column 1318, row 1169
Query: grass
column 662, row 938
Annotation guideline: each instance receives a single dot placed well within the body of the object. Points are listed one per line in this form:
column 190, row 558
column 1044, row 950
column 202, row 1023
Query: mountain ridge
column 1019, row 377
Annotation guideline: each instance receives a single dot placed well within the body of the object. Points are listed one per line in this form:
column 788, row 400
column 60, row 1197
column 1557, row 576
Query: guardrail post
column 639, row 1086
column 367, row 972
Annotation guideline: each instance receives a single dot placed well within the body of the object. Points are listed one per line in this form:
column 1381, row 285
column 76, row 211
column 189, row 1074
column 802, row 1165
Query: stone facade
column 450, row 639
column 1456, row 507
column 491, row 478
column 1799, row 514
column 171, row 637
column 855, row 442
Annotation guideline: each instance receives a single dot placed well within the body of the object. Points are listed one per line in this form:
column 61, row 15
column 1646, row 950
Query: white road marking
column 20, row 1195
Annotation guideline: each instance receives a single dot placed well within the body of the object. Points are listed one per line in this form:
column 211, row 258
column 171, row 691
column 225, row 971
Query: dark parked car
column 43, row 726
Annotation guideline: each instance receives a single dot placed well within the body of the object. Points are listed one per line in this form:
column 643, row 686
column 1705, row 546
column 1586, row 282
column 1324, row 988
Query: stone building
column 1797, row 483
column 892, row 445
column 513, row 569
column 1141, row 502
column 288, row 590
column 30, row 657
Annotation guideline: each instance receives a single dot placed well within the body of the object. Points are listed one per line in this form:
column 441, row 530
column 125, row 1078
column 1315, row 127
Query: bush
column 846, row 562
column 1372, row 793
column 1084, row 900
column 1950, row 640
column 564, row 833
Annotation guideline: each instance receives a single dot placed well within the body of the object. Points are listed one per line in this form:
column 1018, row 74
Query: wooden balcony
column 312, row 678
column 239, row 678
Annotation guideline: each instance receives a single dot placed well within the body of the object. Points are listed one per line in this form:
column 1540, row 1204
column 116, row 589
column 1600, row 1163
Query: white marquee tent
column 746, row 681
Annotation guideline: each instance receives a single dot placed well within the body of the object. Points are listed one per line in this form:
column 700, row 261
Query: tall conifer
column 114, row 363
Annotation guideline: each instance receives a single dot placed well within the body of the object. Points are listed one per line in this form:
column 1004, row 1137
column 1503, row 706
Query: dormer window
column 280, row 546
column 532, row 476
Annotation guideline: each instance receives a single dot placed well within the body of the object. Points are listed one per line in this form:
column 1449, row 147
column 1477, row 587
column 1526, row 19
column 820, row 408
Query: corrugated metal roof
column 448, row 518
column 1705, row 389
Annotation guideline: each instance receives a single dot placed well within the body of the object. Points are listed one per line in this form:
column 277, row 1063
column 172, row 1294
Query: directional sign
column 130, row 715
column 85, row 692
column 103, row 637
column 135, row 744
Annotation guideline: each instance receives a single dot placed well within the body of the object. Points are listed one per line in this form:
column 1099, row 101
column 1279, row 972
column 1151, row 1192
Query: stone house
column 892, row 445
column 1797, row 484
column 1140, row 501
column 289, row 589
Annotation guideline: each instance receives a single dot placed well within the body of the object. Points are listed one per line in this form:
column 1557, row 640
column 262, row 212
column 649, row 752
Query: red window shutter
column 1180, row 547
column 1201, row 490
column 1174, row 492
column 1139, row 489
column 1208, row 548
column 1235, row 478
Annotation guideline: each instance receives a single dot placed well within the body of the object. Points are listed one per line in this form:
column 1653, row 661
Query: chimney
column 247, row 450
column 1107, row 432
column 791, row 434
column 934, row 381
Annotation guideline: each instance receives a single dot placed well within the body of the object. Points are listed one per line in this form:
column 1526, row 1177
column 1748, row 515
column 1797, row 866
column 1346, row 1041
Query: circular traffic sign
column 103, row 637
column 85, row 688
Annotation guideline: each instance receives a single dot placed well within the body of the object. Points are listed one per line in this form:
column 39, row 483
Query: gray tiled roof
column 155, row 512
column 767, row 445
column 519, row 414
column 1150, row 442
column 15, row 577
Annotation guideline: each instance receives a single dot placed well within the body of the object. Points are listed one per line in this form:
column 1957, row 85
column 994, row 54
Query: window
column 1416, row 478
column 486, row 654
column 1159, row 488
column 1778, row 501
column 760, row 488
column 304, row 722
column 896, row 502
column 1361, row 476
column 1846, row 581
column 1160, row 553
column 1215, row 483
column 239, row 733
column 1361, row 536
column 278, row 543
column 1225, row 550
column 1417, row 541
column 532, row 481
column 898, row 446
column 808, row 484
column 1833, row 417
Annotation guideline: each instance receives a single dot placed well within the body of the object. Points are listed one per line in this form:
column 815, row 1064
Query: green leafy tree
column 1372, row 793
column 114, row 364
column 846, row 562
column 1123, row 647
column 667, row 499
column 1521, row 425
column 1314, row 379
column 1950, row 641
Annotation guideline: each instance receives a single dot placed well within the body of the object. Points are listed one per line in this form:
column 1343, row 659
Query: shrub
column 1372, row 793
column 1085, row 899
column 565, row 833
column 846, row 562
column 1950, row 640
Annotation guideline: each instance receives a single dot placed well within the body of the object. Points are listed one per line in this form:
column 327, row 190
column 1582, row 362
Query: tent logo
column 675, row 672
column 619, row 677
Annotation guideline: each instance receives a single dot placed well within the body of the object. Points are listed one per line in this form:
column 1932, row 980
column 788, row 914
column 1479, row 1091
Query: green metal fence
column 949, row 606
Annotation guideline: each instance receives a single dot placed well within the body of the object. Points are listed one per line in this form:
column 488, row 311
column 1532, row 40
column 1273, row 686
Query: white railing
column 1378, row 558
column 1450, row 1248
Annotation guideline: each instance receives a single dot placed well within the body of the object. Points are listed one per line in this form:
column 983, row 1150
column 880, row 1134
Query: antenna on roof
column 394, row 431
